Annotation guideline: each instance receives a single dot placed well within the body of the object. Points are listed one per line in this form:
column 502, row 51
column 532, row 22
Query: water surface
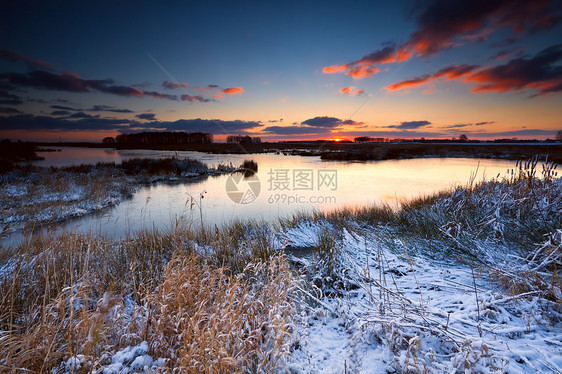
column 288, row 184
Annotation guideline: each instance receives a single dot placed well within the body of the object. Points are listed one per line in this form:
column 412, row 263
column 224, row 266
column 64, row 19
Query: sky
column 286, row 70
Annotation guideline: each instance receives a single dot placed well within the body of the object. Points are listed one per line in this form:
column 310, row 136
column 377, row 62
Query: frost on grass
column 37, row 195
column 464, row 281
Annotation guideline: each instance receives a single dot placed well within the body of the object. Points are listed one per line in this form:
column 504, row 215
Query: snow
column 134, row 359
column 425, row 318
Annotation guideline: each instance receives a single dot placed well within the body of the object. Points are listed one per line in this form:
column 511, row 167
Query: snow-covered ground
column 403, row 312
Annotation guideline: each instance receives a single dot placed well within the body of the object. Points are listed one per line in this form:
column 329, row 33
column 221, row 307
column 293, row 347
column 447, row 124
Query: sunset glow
column 266, row 70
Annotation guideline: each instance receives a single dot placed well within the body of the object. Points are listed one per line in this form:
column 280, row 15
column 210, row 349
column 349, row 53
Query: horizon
column 282, row 71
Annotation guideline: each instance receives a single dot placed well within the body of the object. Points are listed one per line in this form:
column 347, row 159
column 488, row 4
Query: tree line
column 242, row 139
column 161, row 138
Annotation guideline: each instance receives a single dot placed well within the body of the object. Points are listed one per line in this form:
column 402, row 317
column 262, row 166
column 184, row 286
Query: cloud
column 351, row 91
column 63, row 107
column 541, row 73
column 95, row 123
column 209, row 88
column 327, row 122
column 214, row 126
column 365, row 66
column 192, row 98
column 444, row 24
column 461, row 125
column 147, row 116
column 171, row 85
column 94, row 108
column 16, row 57
column 159, row 95
column 107, row 108
column 449, row 72
column 9, row 99
column 505, row 53
column 71, row 82
column 295, row 130
column 82, row 115
column 313, row 126
column 9, row 110
column 60, row 113
column 47, row 123
column 229, row 91
column 8, row 95
column 410, row 125
column 504, row 42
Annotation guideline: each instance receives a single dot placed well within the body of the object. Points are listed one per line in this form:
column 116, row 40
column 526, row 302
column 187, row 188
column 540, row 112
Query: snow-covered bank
column 396, row 310
column 32, row 196
column 463, row 281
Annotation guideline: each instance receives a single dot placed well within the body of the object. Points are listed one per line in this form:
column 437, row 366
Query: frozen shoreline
column 34, row 196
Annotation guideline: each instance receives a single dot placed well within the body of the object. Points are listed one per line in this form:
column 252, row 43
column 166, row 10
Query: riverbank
column 32, row 196
column 462, row 280
column 366, row 151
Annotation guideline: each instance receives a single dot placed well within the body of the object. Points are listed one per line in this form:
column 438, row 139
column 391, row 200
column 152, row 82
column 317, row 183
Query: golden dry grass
column 82, row 296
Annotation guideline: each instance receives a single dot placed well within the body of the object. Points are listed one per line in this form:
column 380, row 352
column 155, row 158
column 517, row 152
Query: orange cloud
column 363, row 71
column 229, row 91
column 539, row 73
column 414, row 82
column 351, row 91
column 449, row 72
column 334, row 69
column 443, row 24
column 232, row 91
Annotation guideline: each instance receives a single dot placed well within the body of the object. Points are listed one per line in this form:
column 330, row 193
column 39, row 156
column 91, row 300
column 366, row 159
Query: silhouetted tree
column 463, row 138
column 558, row 135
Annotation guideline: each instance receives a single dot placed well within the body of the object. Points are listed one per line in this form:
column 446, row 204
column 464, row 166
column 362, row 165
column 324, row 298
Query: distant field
column 373, row 151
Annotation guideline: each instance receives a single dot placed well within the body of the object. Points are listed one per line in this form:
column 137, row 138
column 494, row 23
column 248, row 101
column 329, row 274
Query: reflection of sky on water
column 358, row 183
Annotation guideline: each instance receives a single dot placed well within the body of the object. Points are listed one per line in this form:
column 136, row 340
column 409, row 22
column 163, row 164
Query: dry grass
column 82, row 296
column 207, row 321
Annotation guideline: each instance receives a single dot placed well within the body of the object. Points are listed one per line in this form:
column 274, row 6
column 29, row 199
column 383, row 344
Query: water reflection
column 287, row 184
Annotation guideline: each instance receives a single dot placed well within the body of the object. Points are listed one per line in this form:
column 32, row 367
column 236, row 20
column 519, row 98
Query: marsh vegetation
column 444, row 283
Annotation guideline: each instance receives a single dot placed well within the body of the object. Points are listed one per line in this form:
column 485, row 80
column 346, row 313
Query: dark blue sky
column 85, row 70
